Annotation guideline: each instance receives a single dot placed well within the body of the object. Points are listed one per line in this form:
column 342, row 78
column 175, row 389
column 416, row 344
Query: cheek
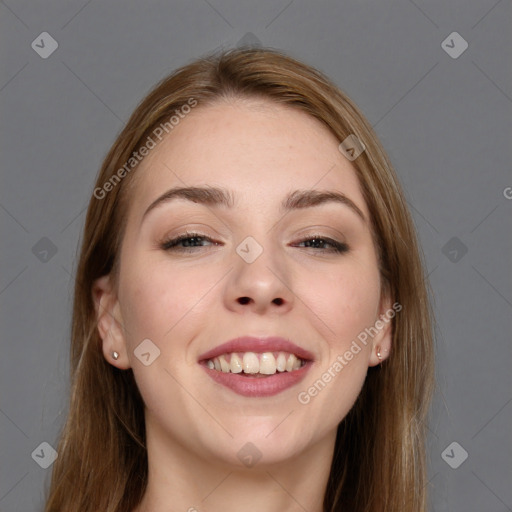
column 346, row 301
column 162, row 303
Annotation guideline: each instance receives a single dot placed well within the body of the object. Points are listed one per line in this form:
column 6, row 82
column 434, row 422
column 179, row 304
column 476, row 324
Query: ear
column 110, row 322
column 384, row 326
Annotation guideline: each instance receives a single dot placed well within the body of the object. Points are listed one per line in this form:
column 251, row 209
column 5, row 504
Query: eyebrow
column 214, row 196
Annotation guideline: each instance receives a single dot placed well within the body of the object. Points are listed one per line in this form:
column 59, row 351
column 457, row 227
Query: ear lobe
column 384, row 324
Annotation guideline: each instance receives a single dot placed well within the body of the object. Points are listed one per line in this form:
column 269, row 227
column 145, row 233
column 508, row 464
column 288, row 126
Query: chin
column 264, row 444
column 256, row 455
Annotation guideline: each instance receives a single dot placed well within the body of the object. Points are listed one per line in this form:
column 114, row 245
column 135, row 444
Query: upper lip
column 258, row 345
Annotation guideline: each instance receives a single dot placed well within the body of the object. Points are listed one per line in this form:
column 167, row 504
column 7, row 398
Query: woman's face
column 273, row 263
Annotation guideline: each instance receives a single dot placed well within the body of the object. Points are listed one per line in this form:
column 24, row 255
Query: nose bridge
column 260, row 279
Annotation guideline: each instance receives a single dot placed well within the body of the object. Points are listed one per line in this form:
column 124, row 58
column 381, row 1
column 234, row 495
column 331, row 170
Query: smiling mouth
column 252, row 364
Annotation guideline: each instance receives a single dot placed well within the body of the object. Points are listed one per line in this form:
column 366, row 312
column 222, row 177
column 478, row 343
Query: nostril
column 246, row 300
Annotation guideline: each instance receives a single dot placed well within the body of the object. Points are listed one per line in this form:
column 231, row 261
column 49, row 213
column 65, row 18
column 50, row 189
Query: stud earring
column 379, row 355
column 115, row 355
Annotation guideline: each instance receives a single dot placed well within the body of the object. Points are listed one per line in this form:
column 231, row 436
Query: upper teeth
column 266, row 363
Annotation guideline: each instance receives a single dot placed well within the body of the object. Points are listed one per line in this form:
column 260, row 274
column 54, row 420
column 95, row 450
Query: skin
column 187, row 303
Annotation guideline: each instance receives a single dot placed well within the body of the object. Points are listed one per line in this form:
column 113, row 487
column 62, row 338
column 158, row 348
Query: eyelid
column 194, row 228
column 337, row 246
column 165, row 242
column 322, row 230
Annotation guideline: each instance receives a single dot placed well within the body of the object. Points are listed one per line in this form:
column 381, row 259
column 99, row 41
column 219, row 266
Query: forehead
column 257, row 148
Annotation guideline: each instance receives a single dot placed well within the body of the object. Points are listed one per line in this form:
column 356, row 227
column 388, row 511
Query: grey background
column 445, row 122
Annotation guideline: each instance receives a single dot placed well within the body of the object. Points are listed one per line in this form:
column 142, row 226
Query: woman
column 251, row 326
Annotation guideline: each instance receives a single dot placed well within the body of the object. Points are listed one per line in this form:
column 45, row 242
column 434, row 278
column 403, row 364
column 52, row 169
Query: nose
column 262, row 286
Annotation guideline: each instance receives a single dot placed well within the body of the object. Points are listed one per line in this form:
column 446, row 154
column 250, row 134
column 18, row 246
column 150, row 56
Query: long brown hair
column 379, row 461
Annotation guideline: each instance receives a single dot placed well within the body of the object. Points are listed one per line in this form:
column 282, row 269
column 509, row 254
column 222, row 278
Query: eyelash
column 172, row 244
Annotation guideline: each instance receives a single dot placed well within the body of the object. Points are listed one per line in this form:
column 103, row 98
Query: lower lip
column 259, row 386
